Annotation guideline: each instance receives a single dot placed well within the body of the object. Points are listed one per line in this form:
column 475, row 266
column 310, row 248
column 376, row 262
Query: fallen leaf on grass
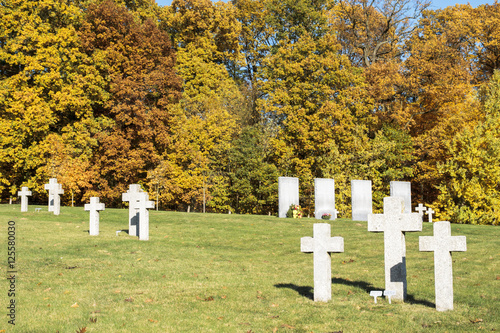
column 477, row 320
column 81, row 330
column 130, row 299
column 149, row 300
column 93, row 319
column 153, row 321
column 117, row 291
column 220, row 318
column 275, row 330
column 48, row 289
column 274, row 305
column 75, row 306
column 287, row 326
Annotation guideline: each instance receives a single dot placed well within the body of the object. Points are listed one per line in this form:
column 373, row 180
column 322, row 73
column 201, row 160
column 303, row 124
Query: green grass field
column 229, row 273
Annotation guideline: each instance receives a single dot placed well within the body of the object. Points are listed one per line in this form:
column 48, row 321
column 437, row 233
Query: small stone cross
column 429, row 213
column 394, row 223
column 321, row 245
column 442, row 243
column 94, row 207
column 55, row 190
column 420, row 209
column 143, row 204
column 24, row 194
column 132, row 195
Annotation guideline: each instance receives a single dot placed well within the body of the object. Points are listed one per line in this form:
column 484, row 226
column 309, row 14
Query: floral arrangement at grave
column 295, row 211
column 326, row 216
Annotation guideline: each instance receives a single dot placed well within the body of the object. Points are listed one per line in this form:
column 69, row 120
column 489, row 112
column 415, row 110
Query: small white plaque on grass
column 375, row 294
column 389, row 294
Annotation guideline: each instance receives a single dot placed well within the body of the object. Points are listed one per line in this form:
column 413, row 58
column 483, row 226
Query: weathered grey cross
column 94, row 207
column 55, row 190
column 429, row 213
column 143, row 204
column 394, row 223
column 442, row 243
column 420, row 209
column 132, row 195
column 321, row 245
column 24, row 194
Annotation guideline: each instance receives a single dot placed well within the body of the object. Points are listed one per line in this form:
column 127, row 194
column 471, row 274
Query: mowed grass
column 229, row 273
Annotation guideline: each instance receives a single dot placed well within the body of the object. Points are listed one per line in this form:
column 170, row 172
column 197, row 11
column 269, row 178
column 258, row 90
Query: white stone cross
column 143, row 204
column 321, row 245
column 389, row 294
column 24, row 194
column 132, row 195
column 420, row 209
column 375, row 294
column 394, row 223
column 55, row 190
column 94, row 207
column 442, row 243
column 429, row 213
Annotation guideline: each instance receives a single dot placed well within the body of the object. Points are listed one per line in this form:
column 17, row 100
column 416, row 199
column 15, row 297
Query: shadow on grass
column 305, row 291
column 369, row 287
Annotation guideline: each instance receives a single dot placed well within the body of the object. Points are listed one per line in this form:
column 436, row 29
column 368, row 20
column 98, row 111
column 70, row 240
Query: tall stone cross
column 321, row 245
column 429, row 213
column 94, row 207
column 442, row 243
column 420, row 209
column 143, row 204
column 131, row 196
column 24, row 194
column 55, row 190
column 394, row 223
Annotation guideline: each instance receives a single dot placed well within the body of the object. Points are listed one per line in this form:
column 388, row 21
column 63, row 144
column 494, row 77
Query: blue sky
column 436, row 4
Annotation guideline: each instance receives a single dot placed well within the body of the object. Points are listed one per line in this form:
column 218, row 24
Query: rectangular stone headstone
column 24, row 194
column 324, row 198
column 361, row 199
column 322, row 245
column 442, row 243
column 288, row 191
column 94, row 207
column 403, row 190
column 394, row 223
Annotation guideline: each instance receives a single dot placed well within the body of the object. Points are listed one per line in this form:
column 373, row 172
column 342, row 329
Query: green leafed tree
column 471, row 190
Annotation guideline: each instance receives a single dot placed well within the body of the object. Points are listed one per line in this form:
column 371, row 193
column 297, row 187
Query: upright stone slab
column 403, row 190
column 132, row 196
column 361, row 199
column 94, row 207
column 143, row 204
column 55, row 190
column 24, row 194
column 324, row 198
column 288, row 191
column 394, row 223
column 442, row 243
column 321, row 245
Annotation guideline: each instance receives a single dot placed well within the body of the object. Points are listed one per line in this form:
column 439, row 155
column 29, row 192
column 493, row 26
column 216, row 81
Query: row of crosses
column 394, row 223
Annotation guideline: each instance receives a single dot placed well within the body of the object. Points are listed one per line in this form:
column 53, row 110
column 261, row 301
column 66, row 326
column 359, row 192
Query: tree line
column 207, row 104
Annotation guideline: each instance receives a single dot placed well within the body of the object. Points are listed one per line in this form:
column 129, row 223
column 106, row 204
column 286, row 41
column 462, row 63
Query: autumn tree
column 136, row 60
column 470, row 191
column 47, row 92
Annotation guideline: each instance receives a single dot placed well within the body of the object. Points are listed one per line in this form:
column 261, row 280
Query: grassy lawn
column 229, row 273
